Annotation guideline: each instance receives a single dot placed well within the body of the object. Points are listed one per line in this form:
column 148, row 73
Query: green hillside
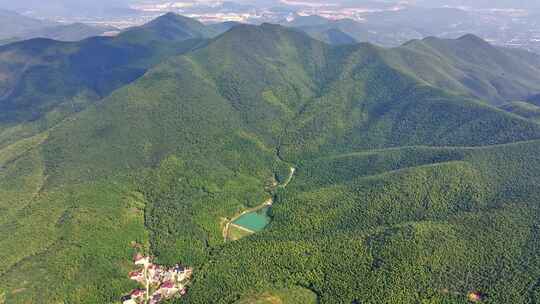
column 417, row 232
column 405, row 190
column 169, row 27
column 333, row 36
column 348, row 31
column 43, row 81
column 16, row 27
column 470, row 65
column 68, row 32
column 523, row 109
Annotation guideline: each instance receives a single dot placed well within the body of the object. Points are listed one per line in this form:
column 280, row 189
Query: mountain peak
column 173, row 18
column 472, row 38
column 244, row 30
column 311, row 20
column 468, row 40
column 258, row 34
column 170, row 15
column 261, row 41
column 172, row 26
column 271, row 26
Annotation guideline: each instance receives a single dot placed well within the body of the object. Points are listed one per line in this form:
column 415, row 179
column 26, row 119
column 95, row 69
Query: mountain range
column 393, row 28
column 417, row 173
column 16, row 27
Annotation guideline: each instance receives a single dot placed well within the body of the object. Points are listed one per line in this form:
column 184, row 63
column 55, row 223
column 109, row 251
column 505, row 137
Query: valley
column 254, row 219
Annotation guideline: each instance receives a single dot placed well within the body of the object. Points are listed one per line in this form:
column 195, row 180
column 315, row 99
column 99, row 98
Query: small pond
column 254, row 221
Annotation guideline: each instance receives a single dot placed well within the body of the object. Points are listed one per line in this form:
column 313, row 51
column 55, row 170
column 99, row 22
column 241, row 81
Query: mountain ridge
column 41, row 76
column 399, row 175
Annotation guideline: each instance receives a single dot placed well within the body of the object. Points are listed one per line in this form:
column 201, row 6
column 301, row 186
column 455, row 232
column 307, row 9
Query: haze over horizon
column 59, row 7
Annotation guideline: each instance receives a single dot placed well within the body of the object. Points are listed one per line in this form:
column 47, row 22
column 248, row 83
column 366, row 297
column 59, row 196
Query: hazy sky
column 85, row 3
column 530, row 4
column 96, row 6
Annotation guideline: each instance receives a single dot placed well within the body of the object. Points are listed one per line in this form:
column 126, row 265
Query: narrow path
column 267, row 203
column 242, row 228
column 289, row 178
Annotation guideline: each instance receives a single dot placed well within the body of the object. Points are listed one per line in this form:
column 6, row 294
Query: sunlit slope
column 43, row 81
column 470, row 66
column 369, row 216
column 124, row 157
column 397, row 226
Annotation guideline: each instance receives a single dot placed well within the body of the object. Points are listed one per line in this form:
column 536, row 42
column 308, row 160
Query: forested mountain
column 326, row 30
column 43, row 80
column 472, row 66
column 410, row 185
column 67, row 32
column 390, row 28
column 170, row 27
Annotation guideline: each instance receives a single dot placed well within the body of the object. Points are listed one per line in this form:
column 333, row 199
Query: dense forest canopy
column 417, row 168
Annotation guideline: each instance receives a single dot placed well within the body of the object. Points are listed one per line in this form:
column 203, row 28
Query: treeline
column 419, row 232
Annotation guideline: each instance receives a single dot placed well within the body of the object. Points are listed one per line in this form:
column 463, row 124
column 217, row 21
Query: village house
column 155, row 273
column 134, row 296
column 128, row 300
column 168, row 290
column 137, row 276
column 156, row 298
column 137, row 294
column 181, row 273
column 164, row 283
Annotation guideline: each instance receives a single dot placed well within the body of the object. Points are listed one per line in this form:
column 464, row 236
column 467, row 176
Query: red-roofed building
column 137, row 293
column 168, row 290
column 167, row 285
column 136, row 276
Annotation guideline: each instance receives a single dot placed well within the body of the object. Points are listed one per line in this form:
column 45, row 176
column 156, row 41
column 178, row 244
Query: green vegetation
column 235, row 233
column 405, row 190
column 523, row 109
column 295, row 295
column 44, row 81
column 470, row 66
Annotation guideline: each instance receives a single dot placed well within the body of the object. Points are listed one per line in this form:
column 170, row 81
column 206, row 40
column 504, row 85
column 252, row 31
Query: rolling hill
column 467, row 65
column 471, row 66
column 13, row 24
column 42, row 80
column 344, row 31
column 391, row 28
column 409, row 188
column 67, row 32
